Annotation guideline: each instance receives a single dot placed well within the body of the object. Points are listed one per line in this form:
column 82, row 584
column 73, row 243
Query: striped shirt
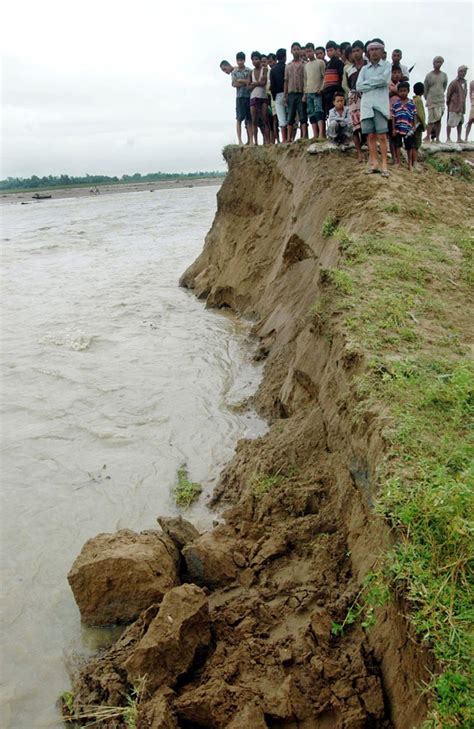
column 403, row 114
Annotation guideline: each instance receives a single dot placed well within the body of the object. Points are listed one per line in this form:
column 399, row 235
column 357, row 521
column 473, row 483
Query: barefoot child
column 314, row 70
column 240, row 80
column 258, row 98
column 404, row 114
column 373, row 83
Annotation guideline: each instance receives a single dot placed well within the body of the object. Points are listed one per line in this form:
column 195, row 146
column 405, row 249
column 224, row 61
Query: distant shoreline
column 84, row 191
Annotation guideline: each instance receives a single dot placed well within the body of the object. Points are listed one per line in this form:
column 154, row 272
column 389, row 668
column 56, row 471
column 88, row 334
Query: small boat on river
column 41, row 196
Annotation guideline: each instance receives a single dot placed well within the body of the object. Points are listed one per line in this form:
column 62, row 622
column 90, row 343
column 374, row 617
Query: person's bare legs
column 459, row 128
column 395, row 153
column 468, row 130
column 357, row 144
column 427, row 137
column 315, row 128
column 437, row 127
column 448, row 132
column 322, row 129
column 284, row 132
column 239, row 132
column 383, row 150
column 248, row 129
column 304, row 131
column 372, row 144
column 254, row 127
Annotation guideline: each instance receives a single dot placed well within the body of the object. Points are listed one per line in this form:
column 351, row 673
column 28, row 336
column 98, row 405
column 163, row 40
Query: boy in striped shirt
column 404, row 115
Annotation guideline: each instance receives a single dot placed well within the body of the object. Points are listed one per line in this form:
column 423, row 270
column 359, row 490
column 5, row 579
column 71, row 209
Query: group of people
column 348, row 92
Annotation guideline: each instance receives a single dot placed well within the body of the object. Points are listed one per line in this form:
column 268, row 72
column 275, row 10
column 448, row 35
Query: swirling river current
column 112, row 378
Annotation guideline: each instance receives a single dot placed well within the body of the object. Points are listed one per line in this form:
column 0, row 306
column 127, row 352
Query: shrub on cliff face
column 329, row 226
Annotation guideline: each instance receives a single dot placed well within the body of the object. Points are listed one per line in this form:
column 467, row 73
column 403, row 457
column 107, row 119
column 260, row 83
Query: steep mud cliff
column 299, row 534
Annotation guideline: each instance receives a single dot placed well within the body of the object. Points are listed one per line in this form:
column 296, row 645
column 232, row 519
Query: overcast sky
column 114, row 87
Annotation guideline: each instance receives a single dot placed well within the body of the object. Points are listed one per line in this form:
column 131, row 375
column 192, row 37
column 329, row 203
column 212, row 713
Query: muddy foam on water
column 112, row 378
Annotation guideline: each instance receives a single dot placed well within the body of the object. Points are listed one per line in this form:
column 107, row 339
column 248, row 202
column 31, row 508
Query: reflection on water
column 112, row 378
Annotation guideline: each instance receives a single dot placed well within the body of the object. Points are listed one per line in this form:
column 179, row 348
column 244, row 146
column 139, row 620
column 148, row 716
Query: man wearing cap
column 456, row 103
column 436, row 82
column 373, row 82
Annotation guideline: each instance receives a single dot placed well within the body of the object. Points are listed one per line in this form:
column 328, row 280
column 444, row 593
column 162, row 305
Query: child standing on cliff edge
column 373, row 83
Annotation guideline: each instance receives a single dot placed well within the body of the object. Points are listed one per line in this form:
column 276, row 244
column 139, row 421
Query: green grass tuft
column 329, row 226
column 186, row 491
column 451, row 165
column 338, row 278
column 262, row 483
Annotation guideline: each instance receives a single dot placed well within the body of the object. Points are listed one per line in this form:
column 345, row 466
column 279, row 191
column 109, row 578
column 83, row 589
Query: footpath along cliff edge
column 336, row 589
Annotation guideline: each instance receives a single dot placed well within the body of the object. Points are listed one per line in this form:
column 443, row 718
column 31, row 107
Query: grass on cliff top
column 407, row 308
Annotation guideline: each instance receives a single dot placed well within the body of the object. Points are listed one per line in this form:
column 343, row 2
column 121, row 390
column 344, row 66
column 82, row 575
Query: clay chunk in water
column 116, row 576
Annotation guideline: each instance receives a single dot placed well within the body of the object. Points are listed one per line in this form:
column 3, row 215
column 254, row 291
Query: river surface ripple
column 112, row 377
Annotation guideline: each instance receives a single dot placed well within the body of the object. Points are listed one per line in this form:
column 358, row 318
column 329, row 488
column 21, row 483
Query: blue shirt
column 373, row 82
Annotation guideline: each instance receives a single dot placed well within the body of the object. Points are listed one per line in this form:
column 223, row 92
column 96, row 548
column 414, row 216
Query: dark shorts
column 257, row 102
column 328, row 98
column 401, row 140
column 242, row 108
column 295, row 104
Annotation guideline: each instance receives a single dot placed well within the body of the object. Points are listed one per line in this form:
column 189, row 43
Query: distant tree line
column 15, row 183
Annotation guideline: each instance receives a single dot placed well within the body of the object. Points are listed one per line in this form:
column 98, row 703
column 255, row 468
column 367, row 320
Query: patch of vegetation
column 339, row 278
column 95, row 715
column 329, row 226
column 262, row 483
column 391, row 208
column 419, row 373
column 344, row 239
column 451, row 165
column 186, row 491
column 373, row 594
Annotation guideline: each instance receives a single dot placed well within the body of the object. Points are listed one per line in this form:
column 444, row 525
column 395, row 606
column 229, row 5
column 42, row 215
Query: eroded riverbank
column 297, row 627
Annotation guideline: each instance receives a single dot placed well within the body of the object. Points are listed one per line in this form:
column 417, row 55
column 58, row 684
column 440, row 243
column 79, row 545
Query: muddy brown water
column 112, row 377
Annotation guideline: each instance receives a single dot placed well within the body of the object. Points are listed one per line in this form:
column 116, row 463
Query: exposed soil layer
column 299, row 533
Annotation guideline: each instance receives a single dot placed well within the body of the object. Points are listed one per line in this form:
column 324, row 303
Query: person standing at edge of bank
column 456, row 102
column 294, row 90
column 373, row 83
column 241, row 76
column 435, row 85
column 277, row 89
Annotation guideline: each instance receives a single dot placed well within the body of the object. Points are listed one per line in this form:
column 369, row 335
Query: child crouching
column 339, row 125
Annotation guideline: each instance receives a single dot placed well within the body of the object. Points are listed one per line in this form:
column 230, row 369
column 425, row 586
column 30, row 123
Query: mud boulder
column 209, row 559
column 215, row 705
column 116, row 576
column 179, row 530
column 178, row 635
column 157, row 713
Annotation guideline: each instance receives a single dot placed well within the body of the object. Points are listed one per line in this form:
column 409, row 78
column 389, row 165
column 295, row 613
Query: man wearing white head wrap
column 373, row 83
column 436, row 82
